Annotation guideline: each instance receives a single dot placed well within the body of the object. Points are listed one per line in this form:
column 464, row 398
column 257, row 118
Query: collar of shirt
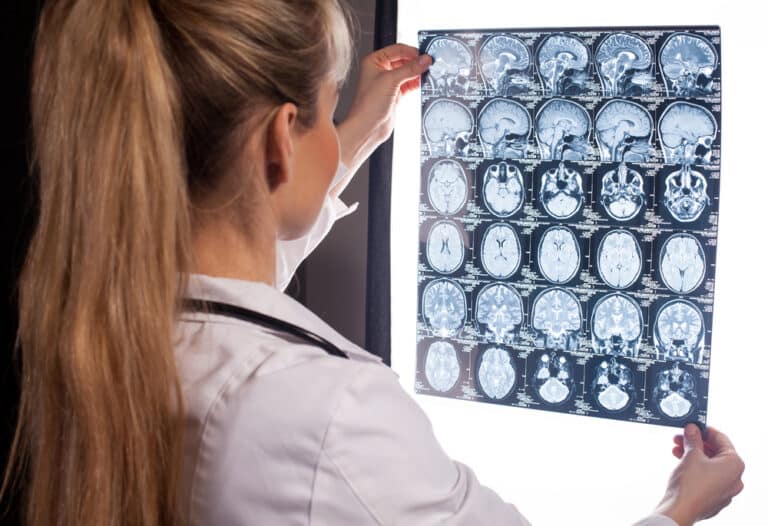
column 263, row 298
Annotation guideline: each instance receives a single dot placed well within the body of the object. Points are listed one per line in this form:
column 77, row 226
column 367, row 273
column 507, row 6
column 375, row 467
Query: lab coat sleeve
column 290, row 254
column 382, row 446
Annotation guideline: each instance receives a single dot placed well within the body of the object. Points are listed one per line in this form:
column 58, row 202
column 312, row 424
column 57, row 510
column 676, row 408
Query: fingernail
column 425, row 60
column 690, row 430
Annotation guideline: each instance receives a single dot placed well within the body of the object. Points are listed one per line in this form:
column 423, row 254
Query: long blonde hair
column 136, row 109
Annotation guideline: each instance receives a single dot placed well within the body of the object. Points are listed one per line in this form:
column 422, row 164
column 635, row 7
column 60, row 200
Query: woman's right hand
column 707, row 478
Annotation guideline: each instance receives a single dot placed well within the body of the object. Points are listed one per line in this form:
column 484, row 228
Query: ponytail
column 99, row 418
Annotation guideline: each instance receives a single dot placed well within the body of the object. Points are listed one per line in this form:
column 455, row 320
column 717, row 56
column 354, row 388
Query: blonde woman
column 187, row 162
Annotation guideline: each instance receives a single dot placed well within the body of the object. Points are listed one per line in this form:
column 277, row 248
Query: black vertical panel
column 378, row 318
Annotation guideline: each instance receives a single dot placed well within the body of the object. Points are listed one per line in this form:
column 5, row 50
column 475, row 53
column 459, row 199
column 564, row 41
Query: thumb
column 692, row 438
column 411, row 69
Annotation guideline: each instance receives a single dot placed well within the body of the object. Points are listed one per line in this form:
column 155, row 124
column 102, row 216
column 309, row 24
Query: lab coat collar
column 264, row 298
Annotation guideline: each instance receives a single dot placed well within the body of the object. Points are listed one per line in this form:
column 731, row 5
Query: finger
column 718, row 441
column 692, row 438
column 387, row 56
column 678, row 440
column 410, row 70
column 410, row 85
column 677, row 451
column 738, row 489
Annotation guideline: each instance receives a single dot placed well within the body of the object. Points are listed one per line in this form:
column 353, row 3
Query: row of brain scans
column 609, row 63
column 568, row 219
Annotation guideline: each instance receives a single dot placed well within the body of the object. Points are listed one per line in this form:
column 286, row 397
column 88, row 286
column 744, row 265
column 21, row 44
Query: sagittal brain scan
column 447, row 186
column 442, row 366
column 496, row 373
column 445, row 249
column 569, row 211
column 500, row 251
column 503, row 191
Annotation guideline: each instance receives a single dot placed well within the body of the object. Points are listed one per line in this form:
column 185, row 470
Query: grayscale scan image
column 568, row 214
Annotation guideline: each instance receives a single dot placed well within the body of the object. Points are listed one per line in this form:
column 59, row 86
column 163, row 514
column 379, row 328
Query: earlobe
column 279, row 146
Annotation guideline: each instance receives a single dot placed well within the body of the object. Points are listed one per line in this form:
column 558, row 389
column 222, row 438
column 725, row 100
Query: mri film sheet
column 568, row 219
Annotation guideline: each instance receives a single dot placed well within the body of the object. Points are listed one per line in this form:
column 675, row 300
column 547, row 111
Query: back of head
column 139, row 108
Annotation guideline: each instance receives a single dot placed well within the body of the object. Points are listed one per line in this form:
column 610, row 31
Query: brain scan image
column 687, row 132
column 622, row 193
column 499, row 313
column 451, row 65
column 441, row 366
column 685, row 194
column 678, row 333
column 504, row 64
column 563, row 64
column 553, row 378
column 617, row 325
column 559, row 255
column 444, row 307
column 623, row 64
column 445, row 248
column 496, row 373
column 623, row 132
column 500, row 252
column 562, row 192
column 448, row 126
column 675, row 392
column 613, row 386
column 682, row 263
column 504, row 127
column 447, row 186
column 562, row 131
column 556, row 319
column 619, row 259
column 687, row 64
column 503, row 191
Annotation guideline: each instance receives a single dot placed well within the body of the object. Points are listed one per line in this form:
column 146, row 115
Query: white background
column 564, row 469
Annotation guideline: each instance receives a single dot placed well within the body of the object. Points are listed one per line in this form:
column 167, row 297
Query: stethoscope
column 257, row 318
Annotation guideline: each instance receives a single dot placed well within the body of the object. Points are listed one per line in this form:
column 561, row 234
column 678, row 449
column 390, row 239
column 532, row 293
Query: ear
column 279, row 146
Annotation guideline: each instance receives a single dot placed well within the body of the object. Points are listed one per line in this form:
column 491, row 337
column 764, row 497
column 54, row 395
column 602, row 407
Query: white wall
column 563, row 469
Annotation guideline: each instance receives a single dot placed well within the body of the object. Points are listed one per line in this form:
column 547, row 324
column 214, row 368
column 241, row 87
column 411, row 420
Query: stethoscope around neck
column 257, row 318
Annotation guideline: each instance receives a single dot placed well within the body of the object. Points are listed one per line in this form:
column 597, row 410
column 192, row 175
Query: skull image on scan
column 451, row 66
column 444, row 307
column 622, row 193
column 617, row 324
column 685, row 194
column 562, row 131
column 687, row 64
column 504, row 63
column 682, row 263
column 500, row 251
column 624, row 65
column 678, row 333
column 559, row 255
column 447, row 186
column 613, row 385
column 499, row 313
column 503, row 191
column 445, row 248
column 563, row 62
column 556, row 320
column 496, row 373
column 441, row 367
column 504, row 127
column 619, row 259
column 623, row 132
column 448, row 126
column 562, row 193
column 553, row 378
column 687, row 132
column 675, row 392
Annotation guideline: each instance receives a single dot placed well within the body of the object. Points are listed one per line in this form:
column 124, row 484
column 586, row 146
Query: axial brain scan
column 442, row 366
column 568, row 215
column 496, row 373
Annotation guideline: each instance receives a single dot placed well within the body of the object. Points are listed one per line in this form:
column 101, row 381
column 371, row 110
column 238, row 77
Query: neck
column 224, row 251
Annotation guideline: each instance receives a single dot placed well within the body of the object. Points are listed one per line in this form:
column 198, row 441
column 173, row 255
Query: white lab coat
column 277, row 432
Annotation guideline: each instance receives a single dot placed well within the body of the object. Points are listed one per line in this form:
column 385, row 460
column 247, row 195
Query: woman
column 186, row 149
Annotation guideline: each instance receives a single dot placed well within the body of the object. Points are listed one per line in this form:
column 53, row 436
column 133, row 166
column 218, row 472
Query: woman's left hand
column 385, row 76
